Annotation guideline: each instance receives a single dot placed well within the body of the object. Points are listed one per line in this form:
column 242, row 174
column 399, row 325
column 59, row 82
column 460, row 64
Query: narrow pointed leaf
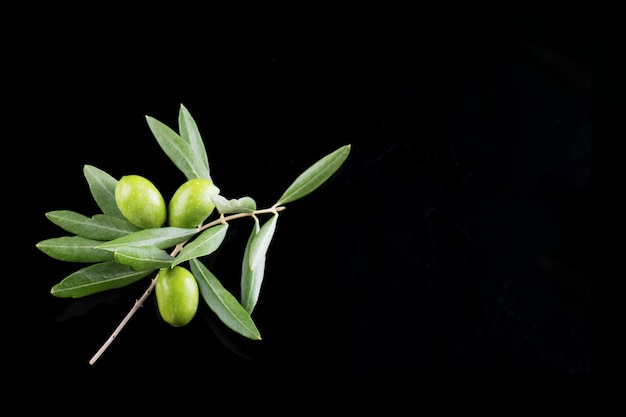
column 102, row 187
column 315, row 175
column 96, row 278
column 178, row 150
column 240, row 205
column 74, row 249
column 188, row 130
column 261, row 242
column 98, row 227
column 116, row 227
column 206, row 243
column 251, row 279
column 223, row 303
column 161, row 237
column 143, row 257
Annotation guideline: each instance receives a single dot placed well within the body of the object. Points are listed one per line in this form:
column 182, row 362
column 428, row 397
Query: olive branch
column 120, row 253
column 139, row 302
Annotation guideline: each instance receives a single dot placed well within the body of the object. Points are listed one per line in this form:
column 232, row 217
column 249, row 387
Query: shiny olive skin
column 177, row 295
column 140, row 201
column 191, row 203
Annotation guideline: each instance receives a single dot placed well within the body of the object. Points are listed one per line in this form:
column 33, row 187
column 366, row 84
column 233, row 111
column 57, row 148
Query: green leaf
column 206, row 243
column 98, row 227
column 96, row 278
column 261, row 242
column 143, row 257
column 188, row 130
column 223, row 303
column 161, row 237
column 241, row 205
column 315, row 175
column 102, row 187
column 74, row 249
column 251, row 279
column 178, row 150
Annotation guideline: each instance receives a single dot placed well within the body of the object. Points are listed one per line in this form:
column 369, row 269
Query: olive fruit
column 140, row 202
column 177, row 295
column 191, row 203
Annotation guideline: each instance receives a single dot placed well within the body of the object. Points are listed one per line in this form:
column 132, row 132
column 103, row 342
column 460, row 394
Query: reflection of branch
column 139, row 303
column 568, row 69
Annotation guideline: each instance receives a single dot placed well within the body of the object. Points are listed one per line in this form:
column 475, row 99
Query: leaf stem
column 139, row 302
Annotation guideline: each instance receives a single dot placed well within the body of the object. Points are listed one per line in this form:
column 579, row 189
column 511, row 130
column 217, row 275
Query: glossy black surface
column 456, row 238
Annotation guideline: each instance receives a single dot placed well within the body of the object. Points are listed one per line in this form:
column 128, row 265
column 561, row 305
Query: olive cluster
column 142, row 204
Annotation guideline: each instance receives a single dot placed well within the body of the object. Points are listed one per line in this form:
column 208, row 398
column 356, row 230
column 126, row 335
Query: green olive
column 191, row 203
column 140, row 202
column 177, row 295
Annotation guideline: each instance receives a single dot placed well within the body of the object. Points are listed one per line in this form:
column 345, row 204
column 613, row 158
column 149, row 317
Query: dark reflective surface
column 457, row 237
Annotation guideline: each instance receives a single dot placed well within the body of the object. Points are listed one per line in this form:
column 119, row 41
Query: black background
column 457, row 237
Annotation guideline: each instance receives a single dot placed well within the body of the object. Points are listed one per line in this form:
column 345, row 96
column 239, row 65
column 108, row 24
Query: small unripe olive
column 140, row 201
column 177, row 295
column 191, row 203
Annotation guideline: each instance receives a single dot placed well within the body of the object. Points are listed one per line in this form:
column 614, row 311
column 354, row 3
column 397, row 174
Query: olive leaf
column 143, row 257
column 222, row 302
column 253, row 264
column 96, row 278
column 241, row 205
column 251, row 279
column 188, row 130
column 315, row 175
column 180, row 152
column 74, row 249
column 206, row 243
column 98, row 227
column 102, row 186
column 261, row 242
column 160, row 237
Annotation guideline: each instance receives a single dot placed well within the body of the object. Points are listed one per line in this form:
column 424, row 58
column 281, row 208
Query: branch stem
column 139, row 302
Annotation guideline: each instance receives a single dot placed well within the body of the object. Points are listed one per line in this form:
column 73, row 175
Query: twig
column 138, row 304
